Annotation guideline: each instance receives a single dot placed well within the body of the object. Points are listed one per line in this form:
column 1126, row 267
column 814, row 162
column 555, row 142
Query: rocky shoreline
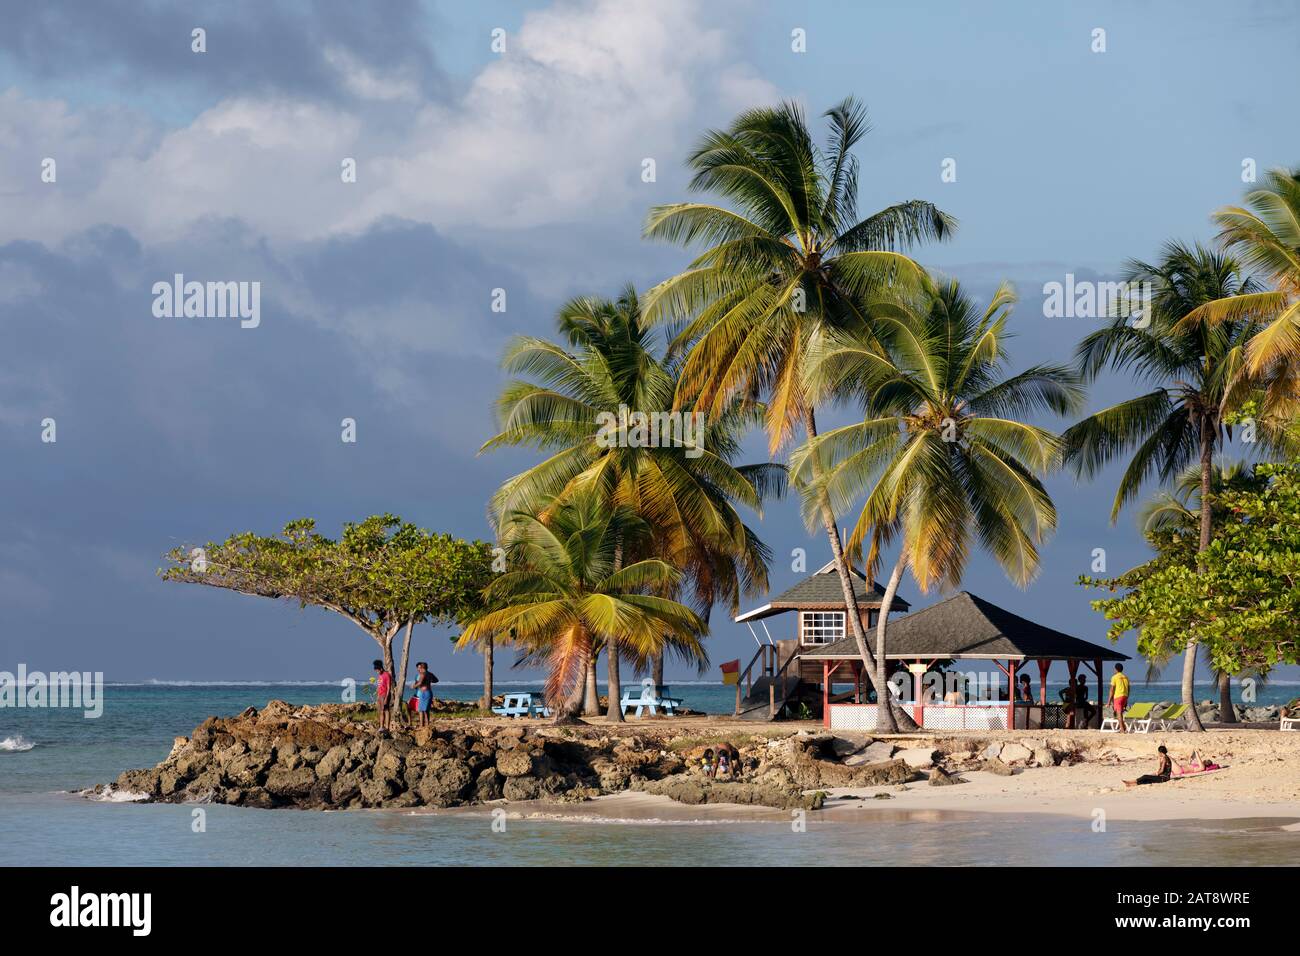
column 331, row 757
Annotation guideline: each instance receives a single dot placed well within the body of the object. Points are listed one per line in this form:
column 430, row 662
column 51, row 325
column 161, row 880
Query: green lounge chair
column 1137, row 718
column 1175, row 715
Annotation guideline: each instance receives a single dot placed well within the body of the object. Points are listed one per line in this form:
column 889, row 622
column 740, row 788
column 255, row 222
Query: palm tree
column 687, row 495
column 940, row 454
column 1266, row 236
column 1192, row 365
column 1179, row 512
column 567, row 586
column 788, row 257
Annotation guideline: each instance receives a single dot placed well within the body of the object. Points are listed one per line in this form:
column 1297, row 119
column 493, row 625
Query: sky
column 513, row 166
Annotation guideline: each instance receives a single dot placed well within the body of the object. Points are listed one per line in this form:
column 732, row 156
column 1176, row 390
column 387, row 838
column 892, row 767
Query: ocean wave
column 17, row 744
column 111, row 794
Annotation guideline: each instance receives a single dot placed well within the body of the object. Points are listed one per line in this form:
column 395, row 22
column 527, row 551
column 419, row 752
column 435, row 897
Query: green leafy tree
column 942, row 453
column 1192, row 365
column 1240, row 597
column 383, row 574
column 1179, row 512
column 787, row 256
column 688, row 494
column 566, row 585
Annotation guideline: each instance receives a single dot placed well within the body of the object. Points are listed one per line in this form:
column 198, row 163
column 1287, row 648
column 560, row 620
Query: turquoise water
column 46, row 754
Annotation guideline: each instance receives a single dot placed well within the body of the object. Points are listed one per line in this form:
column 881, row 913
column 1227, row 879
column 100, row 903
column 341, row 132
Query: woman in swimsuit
column 1197, row 765
column 1163, row 772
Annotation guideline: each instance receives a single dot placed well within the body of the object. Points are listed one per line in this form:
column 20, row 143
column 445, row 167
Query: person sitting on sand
column 1164, row 770
column 383, row 688
column 423, row 686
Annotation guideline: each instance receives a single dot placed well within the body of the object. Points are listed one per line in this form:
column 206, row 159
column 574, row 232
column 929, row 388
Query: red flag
column 730, row 671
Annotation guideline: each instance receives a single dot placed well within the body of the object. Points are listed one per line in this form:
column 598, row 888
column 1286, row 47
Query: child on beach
column 383, row 688
column 706, row 763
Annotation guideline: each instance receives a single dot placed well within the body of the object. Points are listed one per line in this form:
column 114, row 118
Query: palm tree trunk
column 1189, row 654
column 1227, row 713
column 615, row 709
column 657, row 669
column 884, row 715
column 889, row 720
column 486, row 703
column 567, row 712
column 591, row 694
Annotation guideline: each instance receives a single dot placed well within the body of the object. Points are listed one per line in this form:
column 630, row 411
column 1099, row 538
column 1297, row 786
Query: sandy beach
column 1261, row 780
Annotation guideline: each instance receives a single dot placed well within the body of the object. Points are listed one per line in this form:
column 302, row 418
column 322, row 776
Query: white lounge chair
column 1137, row 718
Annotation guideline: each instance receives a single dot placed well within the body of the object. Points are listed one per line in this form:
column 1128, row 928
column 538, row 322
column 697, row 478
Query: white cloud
column 552, row 131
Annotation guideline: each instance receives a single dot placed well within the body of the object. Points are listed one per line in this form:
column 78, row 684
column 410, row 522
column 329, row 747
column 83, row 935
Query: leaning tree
column 383, row 574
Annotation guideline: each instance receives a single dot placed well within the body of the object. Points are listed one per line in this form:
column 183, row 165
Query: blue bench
column 522, row 705
column 650, row 698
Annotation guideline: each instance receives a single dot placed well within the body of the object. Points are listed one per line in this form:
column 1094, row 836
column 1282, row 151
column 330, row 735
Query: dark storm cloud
column 184, row 430
column 253, row 46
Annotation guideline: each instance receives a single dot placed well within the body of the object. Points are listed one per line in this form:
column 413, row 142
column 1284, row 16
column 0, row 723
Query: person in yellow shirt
column 1119, row 696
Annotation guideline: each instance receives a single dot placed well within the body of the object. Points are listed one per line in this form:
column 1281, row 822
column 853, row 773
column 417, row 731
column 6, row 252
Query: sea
column 49, row 756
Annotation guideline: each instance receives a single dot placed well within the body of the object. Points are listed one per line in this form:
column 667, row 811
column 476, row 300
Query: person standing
column 1083, row 702
column 1118, row 698
column 1024, row 692
column 423, row 686
column 383, row 695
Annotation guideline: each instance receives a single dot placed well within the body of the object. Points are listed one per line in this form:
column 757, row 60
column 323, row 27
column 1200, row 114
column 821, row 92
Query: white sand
column 1261, row 780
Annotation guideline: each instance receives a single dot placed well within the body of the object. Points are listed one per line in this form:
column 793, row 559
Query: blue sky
column 521, row 170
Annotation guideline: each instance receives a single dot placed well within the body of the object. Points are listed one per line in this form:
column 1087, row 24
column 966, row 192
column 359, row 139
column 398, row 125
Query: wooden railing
column 767, row 659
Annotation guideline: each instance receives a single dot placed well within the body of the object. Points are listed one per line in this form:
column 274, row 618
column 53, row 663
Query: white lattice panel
column 853, row 716
column 964, row 717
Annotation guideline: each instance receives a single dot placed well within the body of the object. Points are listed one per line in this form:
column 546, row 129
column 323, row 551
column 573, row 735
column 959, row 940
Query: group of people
column 1077, row 704
column 422, row 685
column 726, row 761
column 1165, row 768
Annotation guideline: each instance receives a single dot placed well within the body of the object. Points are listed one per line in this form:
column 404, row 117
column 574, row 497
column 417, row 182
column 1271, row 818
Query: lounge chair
column 1290, row 723
column 1137, row 718
column 1172, row 717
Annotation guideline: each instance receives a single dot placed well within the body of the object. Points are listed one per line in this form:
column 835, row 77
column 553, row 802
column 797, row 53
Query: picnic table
column 522, row 704
column 651, row 698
